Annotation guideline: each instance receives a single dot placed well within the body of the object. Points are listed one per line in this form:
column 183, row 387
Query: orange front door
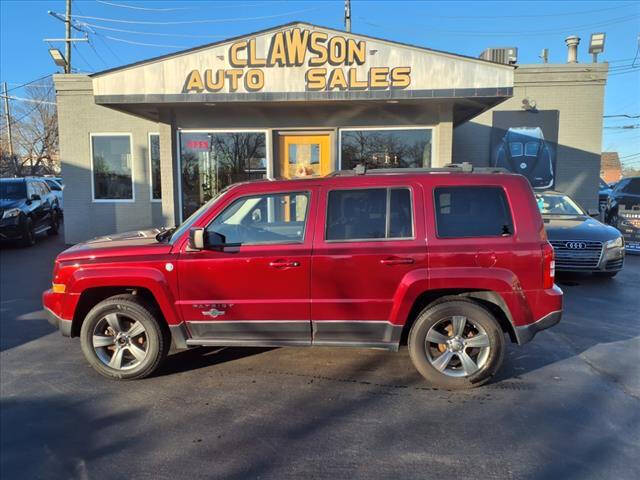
column 304, row 155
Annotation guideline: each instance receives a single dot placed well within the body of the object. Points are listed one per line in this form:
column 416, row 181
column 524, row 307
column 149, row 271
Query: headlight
column 12, row 212
column 616, row 243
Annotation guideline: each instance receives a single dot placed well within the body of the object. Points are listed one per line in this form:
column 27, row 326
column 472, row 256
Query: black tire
column 28, row 234
column 54, row 226
column 475, row 314
column 605, row 274
column 157, row 340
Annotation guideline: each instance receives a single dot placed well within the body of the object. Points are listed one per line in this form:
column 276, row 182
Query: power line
column 28, row 83
column 122, row 5
column 161, row 34
column 423, row 28
column 637, row 69
column 131, row 42
column 626, row 115
column 22, row 117
column 99, row 36
column 21, row 99
column 173, row 9
column 82, row 57
column 96, row 52
column 188, row 22
column 564, row 14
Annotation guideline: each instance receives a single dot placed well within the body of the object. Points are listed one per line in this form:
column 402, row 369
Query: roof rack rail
column 464, row 167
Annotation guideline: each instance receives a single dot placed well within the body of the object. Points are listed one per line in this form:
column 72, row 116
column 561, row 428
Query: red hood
column 137, row 243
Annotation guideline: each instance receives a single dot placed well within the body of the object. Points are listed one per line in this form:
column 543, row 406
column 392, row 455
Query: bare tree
column 35, row 134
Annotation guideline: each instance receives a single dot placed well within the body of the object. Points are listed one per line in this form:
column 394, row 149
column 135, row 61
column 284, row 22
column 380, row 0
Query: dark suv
column 27, row 207
column 447, row 261
column 625, row 195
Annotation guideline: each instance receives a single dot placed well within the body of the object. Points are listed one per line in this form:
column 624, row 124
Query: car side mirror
column 35, row 196
column 196, row 239
column 593, row 212
column 215, row 241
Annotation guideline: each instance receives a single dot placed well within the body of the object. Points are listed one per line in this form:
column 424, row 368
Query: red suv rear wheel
column 456, row 344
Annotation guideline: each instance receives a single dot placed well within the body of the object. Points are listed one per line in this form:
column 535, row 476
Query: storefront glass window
column 210, row 161
column 386, row 148
column 154, row 159
column 112, row 175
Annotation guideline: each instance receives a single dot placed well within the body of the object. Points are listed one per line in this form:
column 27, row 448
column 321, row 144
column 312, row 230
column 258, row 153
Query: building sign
column 330, row 64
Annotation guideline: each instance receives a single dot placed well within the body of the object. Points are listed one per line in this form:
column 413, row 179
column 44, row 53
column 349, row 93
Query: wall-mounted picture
column 525, row 142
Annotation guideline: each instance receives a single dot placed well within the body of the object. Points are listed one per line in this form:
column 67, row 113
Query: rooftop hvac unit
column 508, row 55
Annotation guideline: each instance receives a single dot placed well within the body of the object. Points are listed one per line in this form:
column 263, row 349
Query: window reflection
column 112, row 179
column 210, row 161
column 154, row 156
column 410, row 148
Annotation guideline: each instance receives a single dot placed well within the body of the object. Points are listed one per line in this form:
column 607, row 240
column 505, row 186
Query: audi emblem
column 576, row 245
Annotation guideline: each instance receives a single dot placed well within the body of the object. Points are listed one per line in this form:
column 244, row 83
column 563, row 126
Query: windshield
column 558, row 205
column 53, row 185
column 13, row 190
column 516, row 149
column 186, row 225
column 531, row 149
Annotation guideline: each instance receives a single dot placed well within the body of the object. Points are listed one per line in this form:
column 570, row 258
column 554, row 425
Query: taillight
column 548, row 265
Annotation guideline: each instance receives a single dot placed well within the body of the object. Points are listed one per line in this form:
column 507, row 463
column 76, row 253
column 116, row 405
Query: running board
column 227, row 342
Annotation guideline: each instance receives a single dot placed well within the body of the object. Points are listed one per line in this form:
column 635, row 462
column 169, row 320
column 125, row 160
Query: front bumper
column 10, row 229
column 525, row 333
column 60, row 323
column 53, row 302
column 610, row 260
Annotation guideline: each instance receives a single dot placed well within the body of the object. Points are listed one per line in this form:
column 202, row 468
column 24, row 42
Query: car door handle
column 397, row 261
column 283, row 264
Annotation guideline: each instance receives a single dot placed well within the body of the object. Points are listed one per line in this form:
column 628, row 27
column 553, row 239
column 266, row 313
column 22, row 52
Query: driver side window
column 274, row 218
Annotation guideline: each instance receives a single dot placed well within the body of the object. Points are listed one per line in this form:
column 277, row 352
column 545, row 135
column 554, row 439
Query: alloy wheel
column 457, row 347
column 120, row 342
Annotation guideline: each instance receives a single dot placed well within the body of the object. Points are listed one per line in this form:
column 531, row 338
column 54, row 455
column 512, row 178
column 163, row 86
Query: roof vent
column 572, row 48
column 506, row 55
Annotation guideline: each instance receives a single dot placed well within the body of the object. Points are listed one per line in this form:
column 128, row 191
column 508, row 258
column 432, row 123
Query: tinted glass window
column 365, row 214
column 45, row 188
column 472, row 212
column 154, row 159
column 273, row 218
column 13, row 189
column 632, row 186
column 400, row 219
column 388, row 148
column 211, row 161
column 53, row 185
column 112, row 175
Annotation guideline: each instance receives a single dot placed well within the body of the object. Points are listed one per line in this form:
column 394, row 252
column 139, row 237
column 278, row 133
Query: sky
column 125, row 31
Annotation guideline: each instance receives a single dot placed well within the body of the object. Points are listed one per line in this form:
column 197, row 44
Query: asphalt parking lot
column 565, row 406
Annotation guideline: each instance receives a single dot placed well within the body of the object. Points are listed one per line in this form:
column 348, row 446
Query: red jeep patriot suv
column 447, row 260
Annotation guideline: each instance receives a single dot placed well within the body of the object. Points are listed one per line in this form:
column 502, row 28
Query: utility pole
column 347, row 15
column 7, row 117
column 67, row 21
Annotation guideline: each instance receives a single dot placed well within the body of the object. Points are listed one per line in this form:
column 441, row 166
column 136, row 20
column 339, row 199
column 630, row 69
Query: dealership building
column 146, row 144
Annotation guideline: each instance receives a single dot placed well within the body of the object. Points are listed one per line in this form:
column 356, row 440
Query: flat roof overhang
column 466, row 103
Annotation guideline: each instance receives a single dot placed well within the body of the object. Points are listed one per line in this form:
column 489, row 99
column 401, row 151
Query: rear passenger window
column 472, row 212
column 369, row 214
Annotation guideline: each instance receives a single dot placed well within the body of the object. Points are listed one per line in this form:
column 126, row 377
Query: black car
column 604, row 190
column 626, row 194
column 27, row 208
column 581, row 243
column 524, row 150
